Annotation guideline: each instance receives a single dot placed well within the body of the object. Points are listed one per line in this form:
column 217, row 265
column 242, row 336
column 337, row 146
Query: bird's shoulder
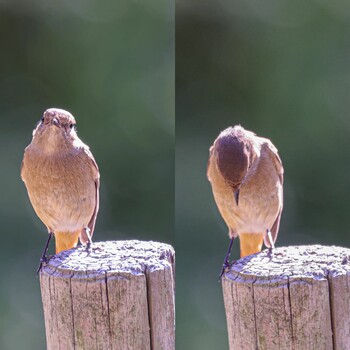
column 269, row 149
column 83, row 151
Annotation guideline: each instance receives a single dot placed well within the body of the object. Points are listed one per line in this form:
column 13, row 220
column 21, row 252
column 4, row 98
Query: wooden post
column 297, row 299
column 118, row 296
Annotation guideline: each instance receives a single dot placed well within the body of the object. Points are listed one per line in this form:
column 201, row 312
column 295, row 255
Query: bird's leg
column 44, row 258
column 226, row 263
column 88, row 244
column 272, row 244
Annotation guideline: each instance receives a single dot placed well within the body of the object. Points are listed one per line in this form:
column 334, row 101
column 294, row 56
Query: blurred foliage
column 111, row 64
column 281, row 69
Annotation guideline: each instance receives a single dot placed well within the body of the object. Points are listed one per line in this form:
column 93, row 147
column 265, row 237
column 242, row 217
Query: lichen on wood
column 296, row 298
column 119, row 295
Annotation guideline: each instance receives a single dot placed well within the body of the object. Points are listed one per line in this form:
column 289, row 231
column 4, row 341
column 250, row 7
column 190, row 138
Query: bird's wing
column 22, row 164
column 274, row 229
column 277, row 160
column 22, row 169
column 91, row 225
column 208, row 164
column 279, row 167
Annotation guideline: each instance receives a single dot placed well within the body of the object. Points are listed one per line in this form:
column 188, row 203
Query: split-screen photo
column 174, row 175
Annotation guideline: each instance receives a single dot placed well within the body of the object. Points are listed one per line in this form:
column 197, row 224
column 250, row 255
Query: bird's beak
column 236, row 194
column 54, row 121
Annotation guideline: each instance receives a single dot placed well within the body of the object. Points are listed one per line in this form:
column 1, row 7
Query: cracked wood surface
column 297, row 299
column 118, row 296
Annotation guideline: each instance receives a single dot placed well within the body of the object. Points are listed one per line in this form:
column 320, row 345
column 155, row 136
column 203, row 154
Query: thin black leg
column 88, row 244
column 272, row 245
column 43, row 258
column 226, row 263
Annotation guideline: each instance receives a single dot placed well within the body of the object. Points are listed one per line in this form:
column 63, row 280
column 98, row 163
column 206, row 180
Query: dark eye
column 42, row 119
column 71, row 126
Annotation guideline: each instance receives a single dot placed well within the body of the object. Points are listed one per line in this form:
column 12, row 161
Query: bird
column 246, row 175
column 62, row 180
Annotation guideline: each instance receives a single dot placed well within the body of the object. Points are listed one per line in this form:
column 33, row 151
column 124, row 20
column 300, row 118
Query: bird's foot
column 226, row 265
column 225, row 268
column 88, row 247
column 89, row 240
column 44, row 259
column 43, row 262
column 270, row 253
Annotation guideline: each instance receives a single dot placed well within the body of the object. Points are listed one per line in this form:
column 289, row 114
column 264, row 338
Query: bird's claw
column 88, row 247
column 43, row 262
column 270, row 253
column 225, row 268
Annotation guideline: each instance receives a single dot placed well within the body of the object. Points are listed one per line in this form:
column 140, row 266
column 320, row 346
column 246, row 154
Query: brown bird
column 62, row 180
column 246, row 175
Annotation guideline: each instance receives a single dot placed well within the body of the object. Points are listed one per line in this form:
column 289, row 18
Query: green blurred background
column 282, row 69
column 279, row 68
column 111, row 64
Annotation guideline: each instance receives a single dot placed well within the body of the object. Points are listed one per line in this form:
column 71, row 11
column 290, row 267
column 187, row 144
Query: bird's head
column 56, row 127
column 233, row 152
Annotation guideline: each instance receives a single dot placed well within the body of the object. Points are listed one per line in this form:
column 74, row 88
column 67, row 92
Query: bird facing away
column 246, row 175
column 62, row 180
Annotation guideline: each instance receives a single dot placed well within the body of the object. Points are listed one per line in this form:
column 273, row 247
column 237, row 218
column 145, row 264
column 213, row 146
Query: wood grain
column 297, row 298
column 118, row 296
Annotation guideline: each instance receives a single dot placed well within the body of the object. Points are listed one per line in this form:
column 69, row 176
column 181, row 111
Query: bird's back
column 259, row 185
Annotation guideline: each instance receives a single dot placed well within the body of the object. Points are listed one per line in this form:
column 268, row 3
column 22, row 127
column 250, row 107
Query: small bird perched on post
column 62, row 180
column 246, row 175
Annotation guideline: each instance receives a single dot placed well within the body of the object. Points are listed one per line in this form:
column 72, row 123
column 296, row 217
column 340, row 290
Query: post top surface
column 316, row 262
column 130, row 256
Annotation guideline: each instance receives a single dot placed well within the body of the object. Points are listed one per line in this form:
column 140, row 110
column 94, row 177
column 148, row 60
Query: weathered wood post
column 118, row 296
column 297, row 299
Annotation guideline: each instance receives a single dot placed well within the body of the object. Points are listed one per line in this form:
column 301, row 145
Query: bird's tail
column 66, row 240
column 250, row 243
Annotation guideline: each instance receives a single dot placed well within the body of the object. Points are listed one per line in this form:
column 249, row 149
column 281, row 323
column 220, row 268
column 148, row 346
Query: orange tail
column 250, row 243
column 66, row 240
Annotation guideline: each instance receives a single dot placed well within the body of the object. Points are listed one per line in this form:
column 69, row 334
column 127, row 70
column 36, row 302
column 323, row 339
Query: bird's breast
column 61, row 188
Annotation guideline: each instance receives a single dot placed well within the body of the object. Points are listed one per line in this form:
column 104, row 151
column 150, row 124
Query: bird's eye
column 42, row 119
column 71, row 126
